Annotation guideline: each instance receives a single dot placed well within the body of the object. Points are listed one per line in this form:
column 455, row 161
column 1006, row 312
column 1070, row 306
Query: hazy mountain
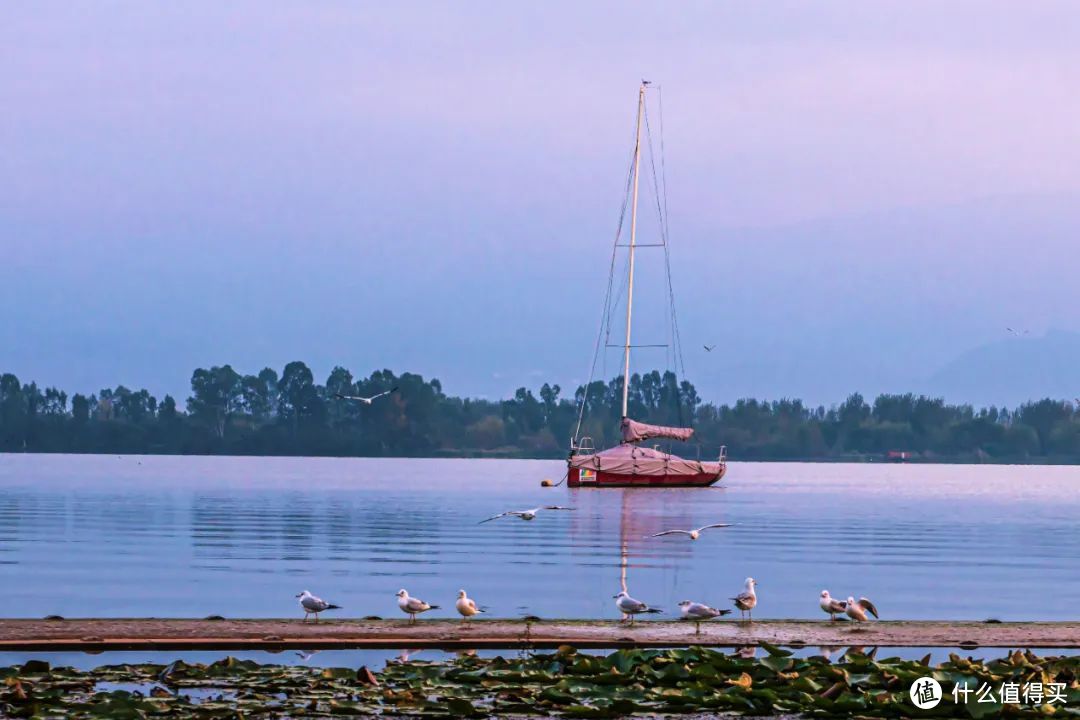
column 1015, row 370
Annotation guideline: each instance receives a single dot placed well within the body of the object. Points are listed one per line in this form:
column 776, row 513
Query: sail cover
column 636, row 460
column 634, row 431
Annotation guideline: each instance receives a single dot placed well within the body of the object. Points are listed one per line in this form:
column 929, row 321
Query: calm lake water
column 193, row 536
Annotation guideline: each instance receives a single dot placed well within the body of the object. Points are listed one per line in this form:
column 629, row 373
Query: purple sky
column 859, row 192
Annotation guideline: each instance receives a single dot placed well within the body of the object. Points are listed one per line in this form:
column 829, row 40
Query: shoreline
column 485, row 455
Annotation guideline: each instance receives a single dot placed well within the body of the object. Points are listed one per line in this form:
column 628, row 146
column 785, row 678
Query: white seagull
column 692, row 533
column 412, row 606
column 747, row 599
column 698, row 612
column 857, row 610
column 365, row 400
column 525, row 514
column 831, row 605
column 629, row 607
column 314, row 605
column 466, row 607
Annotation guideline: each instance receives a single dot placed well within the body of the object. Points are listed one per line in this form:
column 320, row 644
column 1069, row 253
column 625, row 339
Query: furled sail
column 634, row 431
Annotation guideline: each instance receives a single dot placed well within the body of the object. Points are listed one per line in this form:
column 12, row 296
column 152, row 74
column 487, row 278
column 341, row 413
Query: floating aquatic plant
column 564, row 683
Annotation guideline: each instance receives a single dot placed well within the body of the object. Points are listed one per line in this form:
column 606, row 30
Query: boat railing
column 584, row 447
column 723, row 454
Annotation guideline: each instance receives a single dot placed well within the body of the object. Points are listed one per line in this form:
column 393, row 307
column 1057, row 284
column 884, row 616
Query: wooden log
column 184, row 634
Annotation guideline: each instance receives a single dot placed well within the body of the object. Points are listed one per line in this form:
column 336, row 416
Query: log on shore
column 228, row 634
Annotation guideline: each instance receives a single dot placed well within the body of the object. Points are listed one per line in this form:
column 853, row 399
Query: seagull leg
column 316, row 617
column 697, row 625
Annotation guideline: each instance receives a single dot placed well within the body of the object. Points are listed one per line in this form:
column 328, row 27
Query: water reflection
column 235, row 537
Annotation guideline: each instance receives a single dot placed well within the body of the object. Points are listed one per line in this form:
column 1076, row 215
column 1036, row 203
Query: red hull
column 598, row 478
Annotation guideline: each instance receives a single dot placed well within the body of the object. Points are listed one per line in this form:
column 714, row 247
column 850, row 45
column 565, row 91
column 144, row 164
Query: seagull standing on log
column 314, row 605
column 698, row 612
column 629, row 607
column 747, row 599
column 857, row 610
column 412, row 606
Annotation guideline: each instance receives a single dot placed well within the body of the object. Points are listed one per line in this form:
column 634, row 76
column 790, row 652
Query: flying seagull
column 629, row 607
column 365, row 400
column 708, row 348
column 412, row 606
column 857, row 610
column 698, row 612
column 747, row 599
column 692, row 533
column 466, row 607
column 831, row 605
column 314, row 605
column 524, row 514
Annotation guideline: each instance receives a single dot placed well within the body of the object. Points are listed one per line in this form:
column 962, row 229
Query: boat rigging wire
column 659, row 181
column 604, row 316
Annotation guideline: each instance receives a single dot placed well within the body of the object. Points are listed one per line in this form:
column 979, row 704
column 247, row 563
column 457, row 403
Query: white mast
column 633, row 240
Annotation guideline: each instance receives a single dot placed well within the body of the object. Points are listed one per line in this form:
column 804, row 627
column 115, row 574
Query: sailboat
column 629, row 464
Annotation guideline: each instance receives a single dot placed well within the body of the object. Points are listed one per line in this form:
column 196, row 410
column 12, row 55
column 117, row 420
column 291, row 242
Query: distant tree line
column 291, row 414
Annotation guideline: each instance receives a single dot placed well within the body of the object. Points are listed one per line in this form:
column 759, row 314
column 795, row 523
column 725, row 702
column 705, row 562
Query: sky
column 861, row 195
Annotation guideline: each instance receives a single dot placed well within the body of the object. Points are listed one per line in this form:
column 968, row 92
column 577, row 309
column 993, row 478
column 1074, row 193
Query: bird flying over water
column 857, row 610
column 747, row 599
column 831, row 605
column 692, row 533
column 630, row 607
column 698, row 612
column 466, row 607
column 365, row 400
column 314, row 605
column 524, row 514
column 412, row 606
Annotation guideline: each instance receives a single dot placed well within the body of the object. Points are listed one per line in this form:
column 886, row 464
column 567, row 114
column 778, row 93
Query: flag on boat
column 634, row 431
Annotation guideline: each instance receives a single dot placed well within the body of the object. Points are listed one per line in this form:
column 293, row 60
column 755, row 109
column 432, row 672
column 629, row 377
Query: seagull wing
column 715, row 525
column 416, row 605
column 496, row 517
column 837, row 605
column 671, row 532
column 314, row 604
column 554, row 507
column 868, row 606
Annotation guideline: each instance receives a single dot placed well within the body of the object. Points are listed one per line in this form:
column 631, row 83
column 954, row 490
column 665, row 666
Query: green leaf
column 460, row 707
column 775, row 651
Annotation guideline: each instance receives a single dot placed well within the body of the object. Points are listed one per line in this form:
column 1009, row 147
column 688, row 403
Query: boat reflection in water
column 642, row 513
